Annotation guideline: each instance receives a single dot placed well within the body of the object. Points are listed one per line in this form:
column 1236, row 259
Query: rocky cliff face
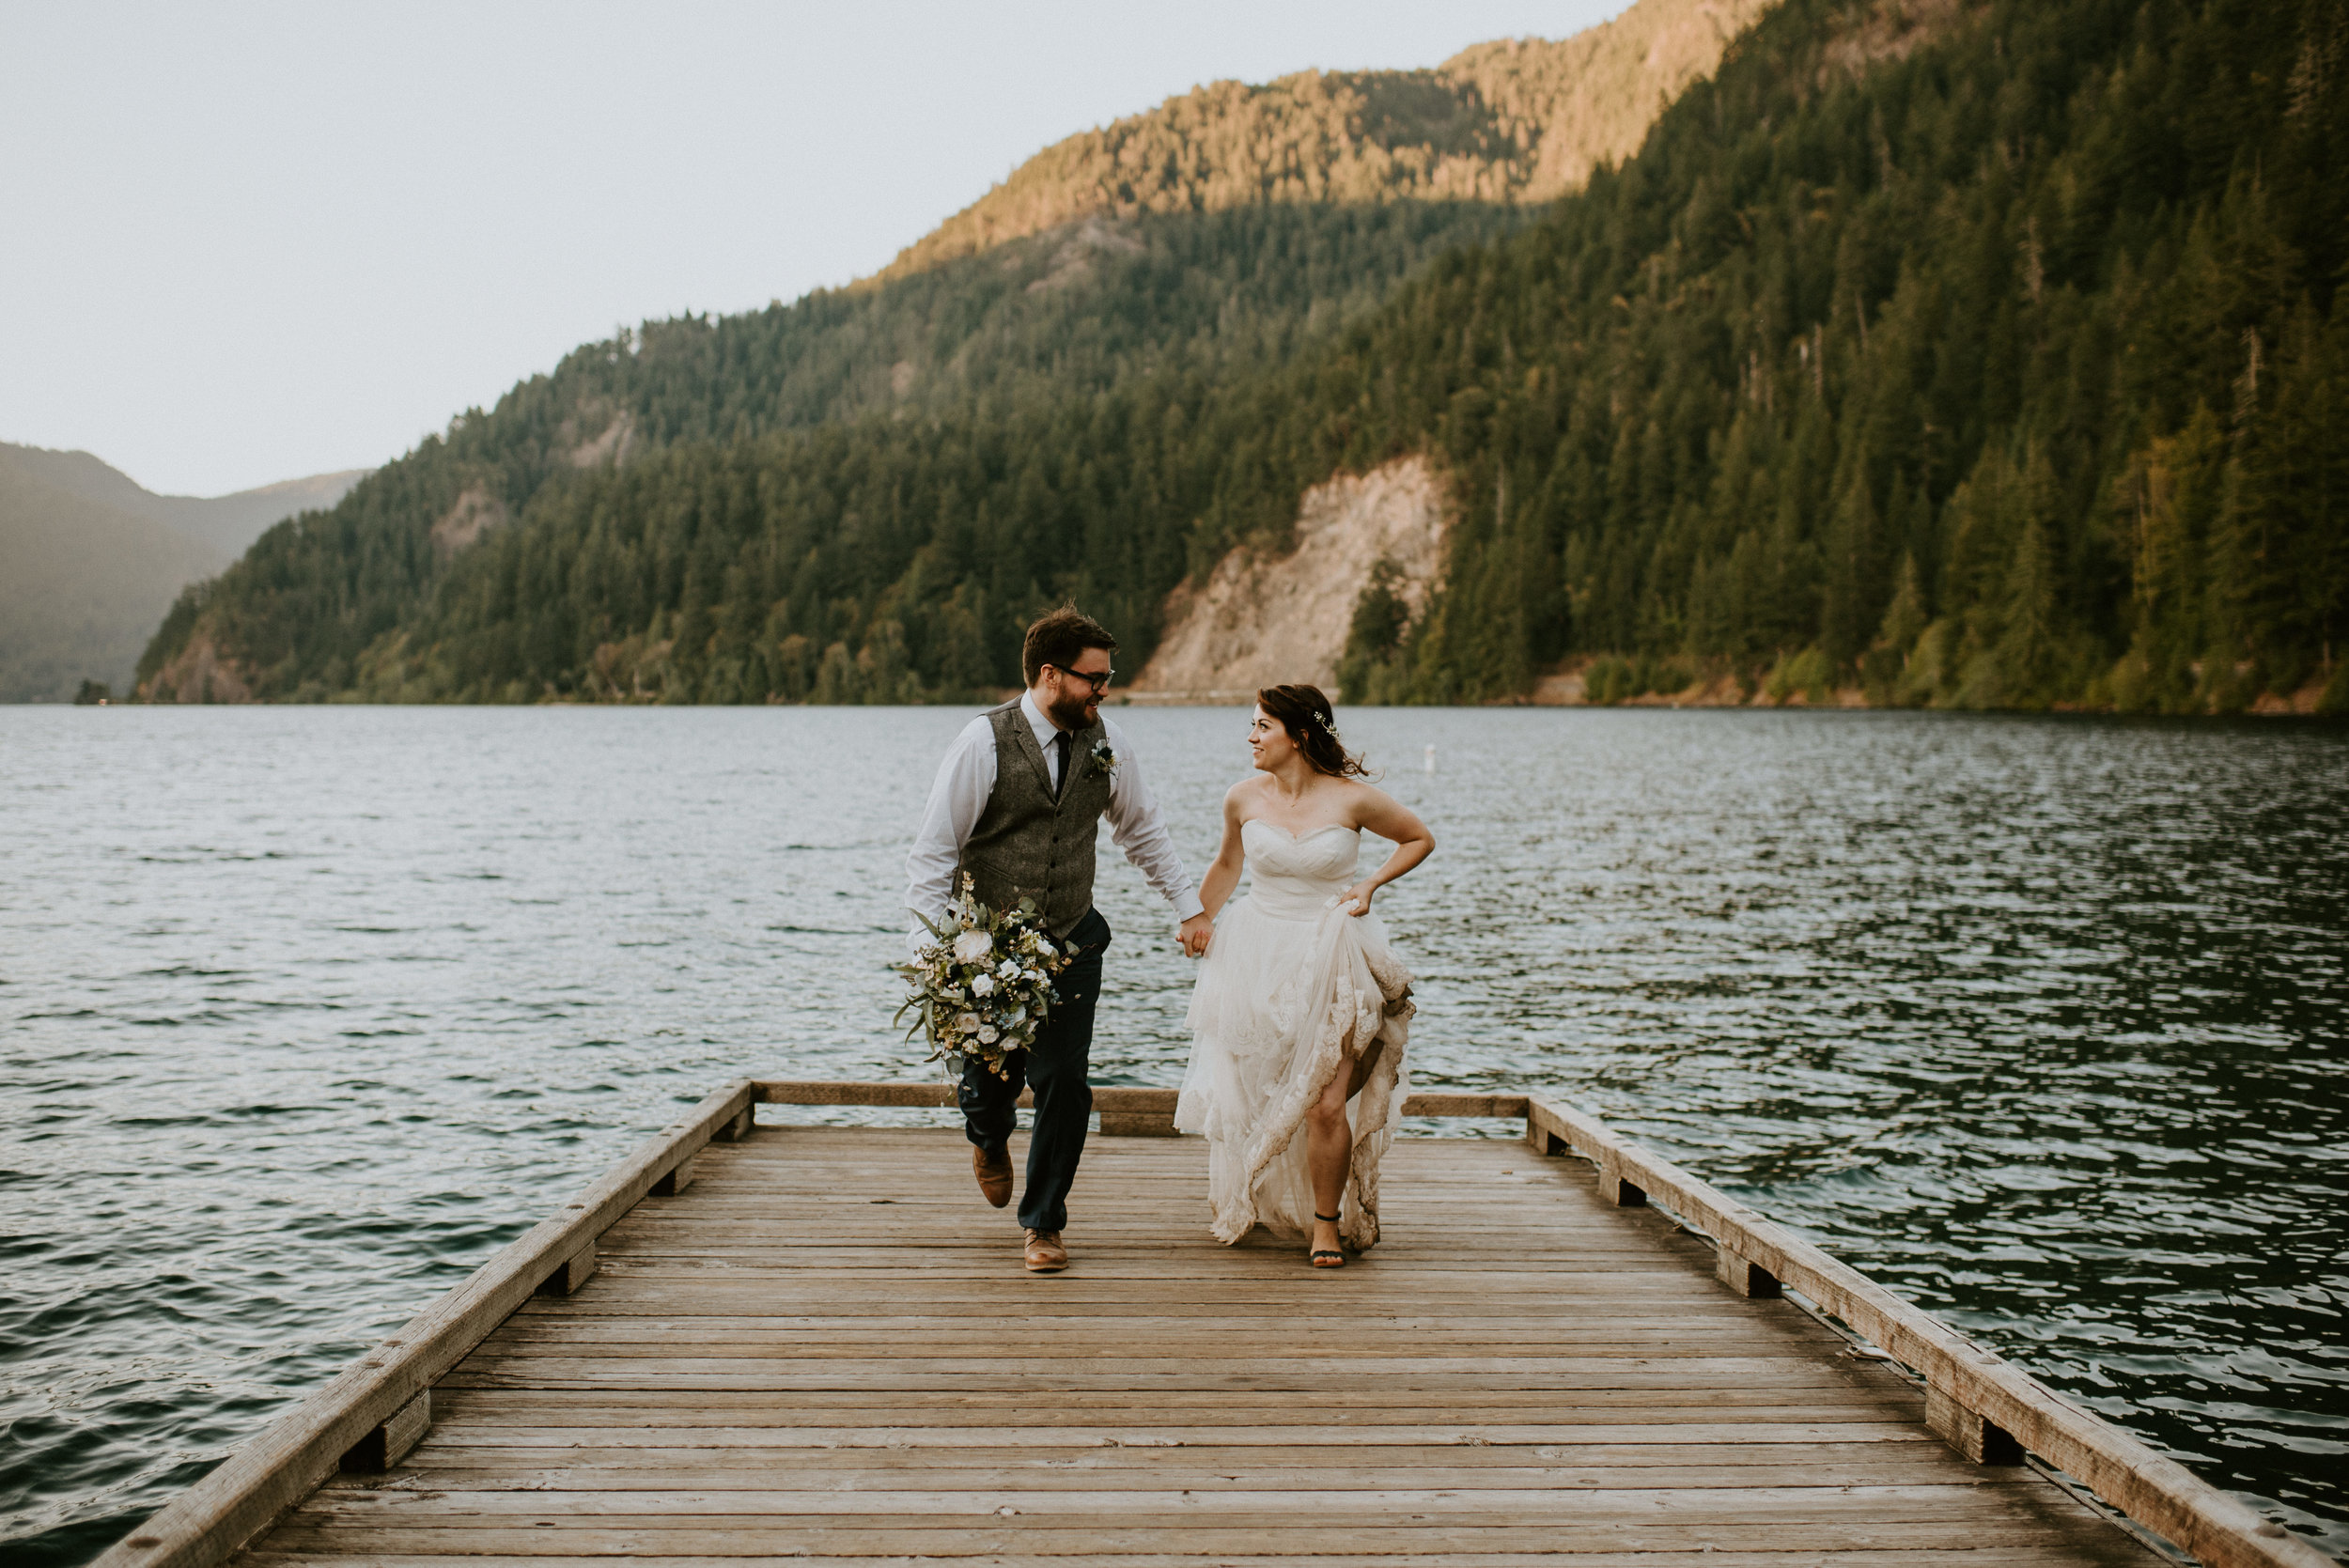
column 198, row 674
column 1260, row 620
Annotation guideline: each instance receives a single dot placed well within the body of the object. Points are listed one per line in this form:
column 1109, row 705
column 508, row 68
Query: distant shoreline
column 1840, row 700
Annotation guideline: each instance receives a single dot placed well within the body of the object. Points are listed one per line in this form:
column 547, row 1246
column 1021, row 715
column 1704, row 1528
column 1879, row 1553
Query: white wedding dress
column 1293, row 990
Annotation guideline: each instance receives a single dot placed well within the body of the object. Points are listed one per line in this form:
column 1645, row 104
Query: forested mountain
column 81, row 584
column 90, row 561
column 1984, row 356
column 1519, row 120
column 2007, row 370
column 1236, row 278
column 1061, row 315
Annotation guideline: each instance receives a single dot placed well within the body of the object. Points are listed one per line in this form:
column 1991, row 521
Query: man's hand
column 1195, row 934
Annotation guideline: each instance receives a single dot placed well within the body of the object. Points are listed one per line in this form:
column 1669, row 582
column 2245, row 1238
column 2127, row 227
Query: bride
column 1301, row 1010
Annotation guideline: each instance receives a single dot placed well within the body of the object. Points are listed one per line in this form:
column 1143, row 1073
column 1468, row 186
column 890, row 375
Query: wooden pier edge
column 1975, row 1399
column 274, row 1473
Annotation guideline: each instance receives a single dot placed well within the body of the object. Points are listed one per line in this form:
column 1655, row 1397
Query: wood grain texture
column 826, row 1350
column 277, row 1469
column 1987, row 1409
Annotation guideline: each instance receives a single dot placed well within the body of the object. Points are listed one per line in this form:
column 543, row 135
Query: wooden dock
column 818, row 1343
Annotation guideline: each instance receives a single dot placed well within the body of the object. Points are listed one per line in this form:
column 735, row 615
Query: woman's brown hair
column 1311, row 723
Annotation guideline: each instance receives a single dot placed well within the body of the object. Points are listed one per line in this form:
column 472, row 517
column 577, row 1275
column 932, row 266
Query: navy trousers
column 1055, row 1067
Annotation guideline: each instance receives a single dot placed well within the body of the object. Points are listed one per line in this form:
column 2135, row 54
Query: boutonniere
column 1105, row 758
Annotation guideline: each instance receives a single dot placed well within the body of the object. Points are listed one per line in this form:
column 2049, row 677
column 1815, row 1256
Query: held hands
column 1195, row 934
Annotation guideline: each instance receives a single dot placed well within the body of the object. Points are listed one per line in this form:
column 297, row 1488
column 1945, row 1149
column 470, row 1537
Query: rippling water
column 306, row 1011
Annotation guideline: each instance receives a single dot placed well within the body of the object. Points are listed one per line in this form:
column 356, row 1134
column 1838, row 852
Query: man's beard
column 1069, row 712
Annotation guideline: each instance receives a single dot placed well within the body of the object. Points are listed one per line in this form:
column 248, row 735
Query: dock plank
column 825, row 1348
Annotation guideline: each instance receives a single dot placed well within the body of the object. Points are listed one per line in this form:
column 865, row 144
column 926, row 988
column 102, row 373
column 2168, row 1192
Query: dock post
column 389, row 1443
column 1743, row 1276
column 1981, row 1441
column 574, row 1272
column 740, row 1127
column 1622, row 1194
column 1611, row 1187
column 675, row 1179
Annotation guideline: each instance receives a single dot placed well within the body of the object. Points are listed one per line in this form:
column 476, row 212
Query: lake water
column 303, row 1012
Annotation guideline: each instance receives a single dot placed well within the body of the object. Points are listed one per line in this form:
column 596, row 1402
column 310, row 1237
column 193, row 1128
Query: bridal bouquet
column 983, row 983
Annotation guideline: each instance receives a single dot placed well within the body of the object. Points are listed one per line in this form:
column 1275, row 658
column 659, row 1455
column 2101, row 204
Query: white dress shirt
column 967, row 778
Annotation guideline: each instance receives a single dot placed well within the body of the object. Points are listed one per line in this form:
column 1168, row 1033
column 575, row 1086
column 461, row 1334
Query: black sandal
column 1337, row 1260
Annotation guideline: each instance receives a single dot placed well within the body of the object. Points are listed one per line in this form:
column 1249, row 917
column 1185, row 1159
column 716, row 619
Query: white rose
column 986, row 1034
column 966, row 1023
column 1007, row 970
column 973, row 947
column 982, row 986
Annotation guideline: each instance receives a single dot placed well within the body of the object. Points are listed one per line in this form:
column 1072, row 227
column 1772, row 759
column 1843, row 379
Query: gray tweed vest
column 1026, row 845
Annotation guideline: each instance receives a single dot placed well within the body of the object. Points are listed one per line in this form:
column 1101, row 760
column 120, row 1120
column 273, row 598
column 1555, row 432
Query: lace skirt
column 1280, row 1007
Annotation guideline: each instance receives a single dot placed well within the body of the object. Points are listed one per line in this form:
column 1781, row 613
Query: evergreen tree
column 2003, row 369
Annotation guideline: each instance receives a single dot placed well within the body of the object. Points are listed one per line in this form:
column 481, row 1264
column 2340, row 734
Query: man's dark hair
column 1059, row 638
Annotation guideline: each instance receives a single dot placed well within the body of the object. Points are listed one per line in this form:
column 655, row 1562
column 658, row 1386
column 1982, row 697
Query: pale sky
column 245, row 243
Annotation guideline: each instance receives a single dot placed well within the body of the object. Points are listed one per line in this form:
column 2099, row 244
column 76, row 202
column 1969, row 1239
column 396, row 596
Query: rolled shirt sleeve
column 1138, row 826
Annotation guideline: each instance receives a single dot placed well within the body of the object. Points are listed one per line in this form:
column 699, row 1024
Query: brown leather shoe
column 1045, row 1254
column 994, row 1173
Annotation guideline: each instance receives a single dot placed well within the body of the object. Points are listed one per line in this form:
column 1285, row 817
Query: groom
column 1017, row 807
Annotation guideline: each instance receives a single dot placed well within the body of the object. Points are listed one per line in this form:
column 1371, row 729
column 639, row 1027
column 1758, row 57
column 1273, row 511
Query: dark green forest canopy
column 2008, row 375
column 2006, row 370
column 1025, row 327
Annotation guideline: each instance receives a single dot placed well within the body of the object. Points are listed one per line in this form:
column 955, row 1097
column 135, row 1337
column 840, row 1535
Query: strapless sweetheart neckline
column 1311, row 833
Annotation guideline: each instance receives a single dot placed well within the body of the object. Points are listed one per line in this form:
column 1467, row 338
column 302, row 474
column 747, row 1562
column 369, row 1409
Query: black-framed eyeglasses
column 1099, row 683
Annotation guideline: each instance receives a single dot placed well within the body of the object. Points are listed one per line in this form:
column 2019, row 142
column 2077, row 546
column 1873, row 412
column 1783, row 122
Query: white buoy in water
column 1431, row 759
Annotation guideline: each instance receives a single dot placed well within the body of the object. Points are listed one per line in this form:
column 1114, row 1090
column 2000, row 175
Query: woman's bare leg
column 1330, row 1148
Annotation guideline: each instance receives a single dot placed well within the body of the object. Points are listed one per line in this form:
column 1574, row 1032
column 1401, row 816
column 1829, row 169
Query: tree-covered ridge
column 1067, row 314
column 1998, row 364
column 1520, row 120
column 2009, row 374
column 1070, row 304
column 1064, row 312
